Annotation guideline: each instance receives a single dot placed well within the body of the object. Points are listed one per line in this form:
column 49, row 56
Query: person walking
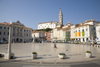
column 54, row 45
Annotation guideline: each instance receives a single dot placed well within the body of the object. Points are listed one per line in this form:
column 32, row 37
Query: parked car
column 93, row 42
column 5, row 41
column 98, row 42
column 54, row 41
column 1, row 41
column 66, row 42
column 72, row 41
column 63, row 41
column 69, row 41
column 77, row 41
column 59, row 41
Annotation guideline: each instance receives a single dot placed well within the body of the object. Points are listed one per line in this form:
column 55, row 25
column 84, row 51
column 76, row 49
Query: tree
column 47, row 29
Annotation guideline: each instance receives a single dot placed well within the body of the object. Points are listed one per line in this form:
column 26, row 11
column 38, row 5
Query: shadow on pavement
column 93, row 57
column 86, row 65
column 22, row 57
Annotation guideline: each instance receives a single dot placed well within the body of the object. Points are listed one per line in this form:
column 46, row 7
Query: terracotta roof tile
column 65, row 30
column 60, row 29
column 5, row 23
column 46, row 32
column 35, row 31
column 88, row 21
column 83, row 25
column 27, row 27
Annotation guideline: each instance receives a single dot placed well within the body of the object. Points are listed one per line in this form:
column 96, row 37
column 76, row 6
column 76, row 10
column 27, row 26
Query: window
column 82, row 29
column 86, row 39
column 0, row 27
column 4, row 27
column 94, row 28
column 4, row 33
column 0, row 33
column 86, row 29
column 83, row 39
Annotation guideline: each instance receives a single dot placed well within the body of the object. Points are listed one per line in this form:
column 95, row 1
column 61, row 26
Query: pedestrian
column 55, row 45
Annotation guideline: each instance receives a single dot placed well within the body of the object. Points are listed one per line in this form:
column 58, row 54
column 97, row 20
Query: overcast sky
column 32, row 12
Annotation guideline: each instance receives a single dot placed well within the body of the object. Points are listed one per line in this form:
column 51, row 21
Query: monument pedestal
column 9, row 56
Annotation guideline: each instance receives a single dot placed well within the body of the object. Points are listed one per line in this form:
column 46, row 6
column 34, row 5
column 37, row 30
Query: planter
column 34, row 56
column 88, row 55
column 62, row 55
column 0, row 55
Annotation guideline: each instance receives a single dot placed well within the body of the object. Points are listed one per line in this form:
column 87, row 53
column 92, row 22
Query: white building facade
column 98, row 32
column 84, row 32
column 20, row 33
column 47, row 25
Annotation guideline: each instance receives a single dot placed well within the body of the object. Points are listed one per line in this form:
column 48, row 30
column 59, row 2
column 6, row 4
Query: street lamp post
column 9, row 43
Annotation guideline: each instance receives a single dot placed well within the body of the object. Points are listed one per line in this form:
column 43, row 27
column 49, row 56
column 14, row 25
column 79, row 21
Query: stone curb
column 49, row 62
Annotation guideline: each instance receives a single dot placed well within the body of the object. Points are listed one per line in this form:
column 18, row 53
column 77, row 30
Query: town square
column 42, row 33
column 47, row 52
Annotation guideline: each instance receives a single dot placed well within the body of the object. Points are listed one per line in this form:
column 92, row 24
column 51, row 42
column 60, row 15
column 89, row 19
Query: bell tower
column 60, row 17
column 60, row 25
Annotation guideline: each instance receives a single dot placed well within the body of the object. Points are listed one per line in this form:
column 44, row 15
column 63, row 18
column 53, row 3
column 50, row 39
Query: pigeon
column 67, row 50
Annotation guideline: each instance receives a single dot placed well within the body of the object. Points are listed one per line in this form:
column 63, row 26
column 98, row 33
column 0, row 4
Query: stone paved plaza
column 46, row 52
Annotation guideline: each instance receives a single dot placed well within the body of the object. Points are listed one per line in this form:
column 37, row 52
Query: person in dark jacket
column 55, row 45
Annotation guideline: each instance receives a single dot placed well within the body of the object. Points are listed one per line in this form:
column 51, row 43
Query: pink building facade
column 49, row 36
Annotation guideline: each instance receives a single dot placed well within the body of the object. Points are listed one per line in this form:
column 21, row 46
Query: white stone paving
column 46, row 52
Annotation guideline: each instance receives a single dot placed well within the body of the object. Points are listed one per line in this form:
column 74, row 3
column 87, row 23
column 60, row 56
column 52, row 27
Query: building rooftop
column 49, row 22
column 83, row 25
column 4, row 23
column 35, row 32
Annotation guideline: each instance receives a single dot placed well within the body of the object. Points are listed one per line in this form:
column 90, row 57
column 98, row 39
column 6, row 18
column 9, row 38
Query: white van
column 98, row 42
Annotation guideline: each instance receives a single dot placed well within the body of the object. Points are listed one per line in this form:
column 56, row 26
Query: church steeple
column 60, row 17
column 60, row 13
